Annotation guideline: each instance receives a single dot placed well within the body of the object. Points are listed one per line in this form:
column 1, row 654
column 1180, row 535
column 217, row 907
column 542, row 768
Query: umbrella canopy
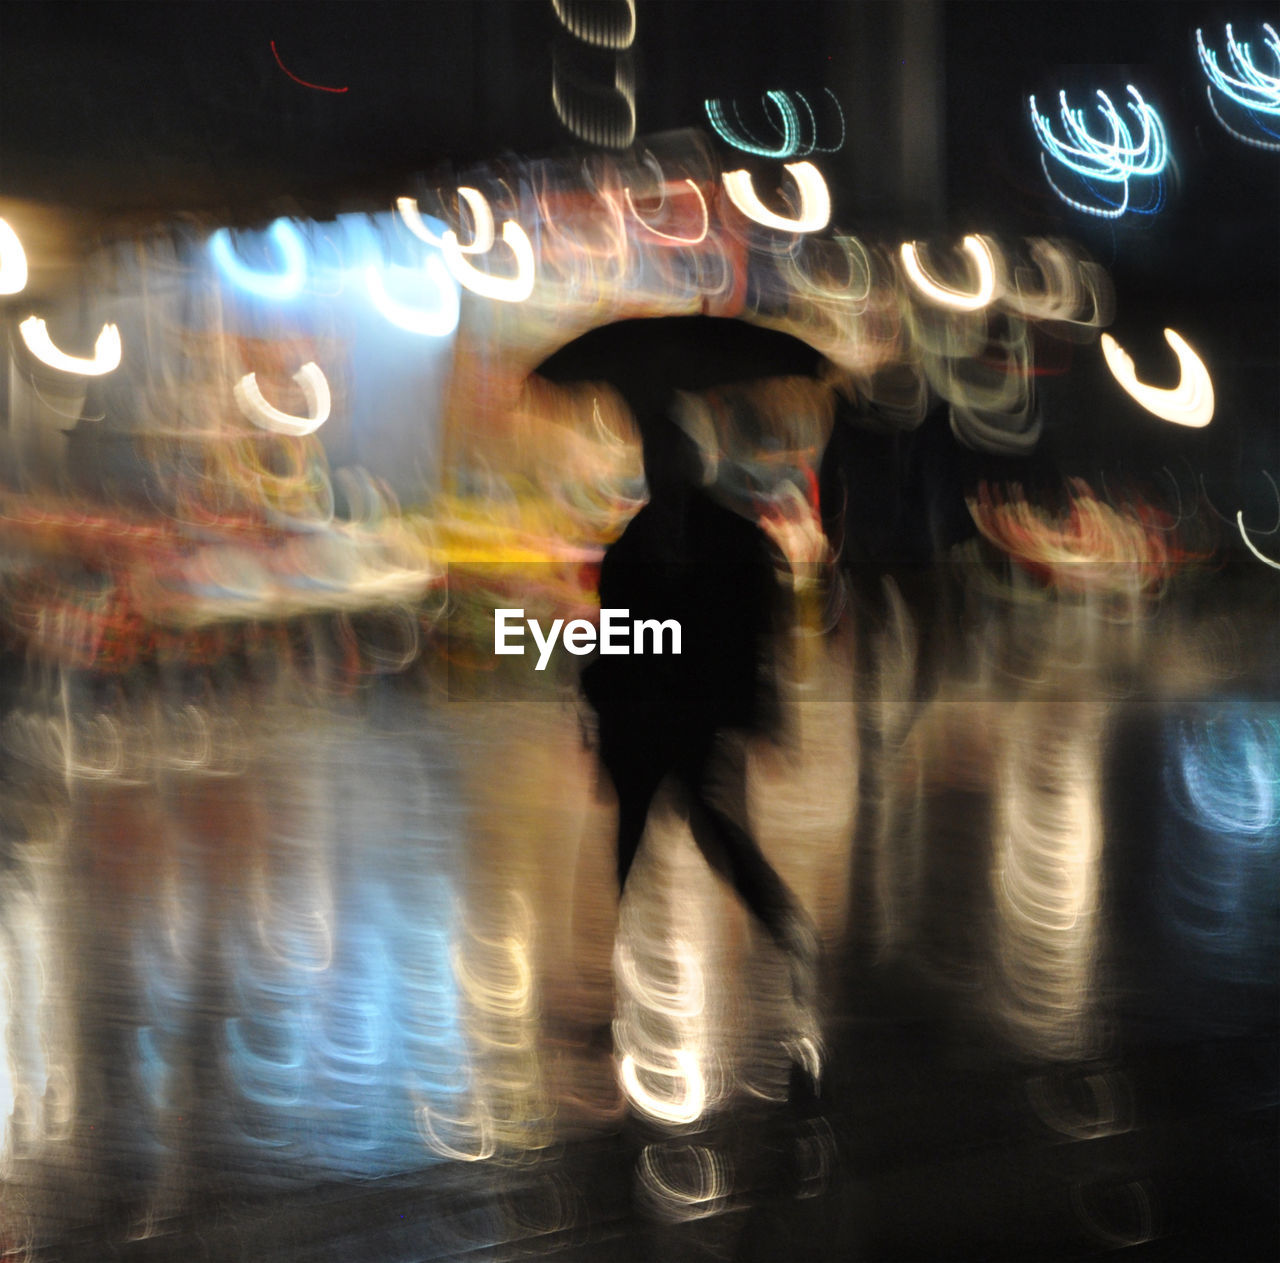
column 647, row 360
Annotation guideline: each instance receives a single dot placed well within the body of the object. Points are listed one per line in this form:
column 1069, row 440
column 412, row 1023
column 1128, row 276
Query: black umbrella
column 647, row 360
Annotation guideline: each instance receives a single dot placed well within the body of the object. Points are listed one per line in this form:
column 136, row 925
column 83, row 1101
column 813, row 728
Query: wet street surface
column 295, row 975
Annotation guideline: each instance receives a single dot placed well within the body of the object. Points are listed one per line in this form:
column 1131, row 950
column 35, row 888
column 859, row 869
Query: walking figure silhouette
column 685, row 717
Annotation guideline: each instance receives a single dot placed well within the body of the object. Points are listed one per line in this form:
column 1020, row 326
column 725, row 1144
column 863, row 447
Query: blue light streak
column 796, row 139
column 437, row 318
column 1251, row 92
column 1112, row 161
column 327, row 1066
column 1254, row 90
column 1229, row 774
column 281, row 285
column 1218, row 869
column 790, row 121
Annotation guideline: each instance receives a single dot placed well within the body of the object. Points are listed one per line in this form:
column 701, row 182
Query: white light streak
column 815, row 200
column 432, row 322
column 594, row 251
column 598, row 115
column 680, row 1108
column 8, row 1091
column 106, row 350
column 979, row 252
column 481, row 1126
column 510, row 997
column 1109, row 1111
column 1189, row 403
column 268, row 417
column 95, row 750
column 612, row 28
column 13, row 261
column 1073, row 290
column 1144, row 1218
column 494, row 974
column 1048, row 848
column 1250, row 545
column 698, row 239
column 481, row 214
column 514, row 289
column 413, row 221
column 684, row 998
column 685, row 1183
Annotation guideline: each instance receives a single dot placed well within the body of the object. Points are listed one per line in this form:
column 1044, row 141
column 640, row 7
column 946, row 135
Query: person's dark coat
column 688, row 558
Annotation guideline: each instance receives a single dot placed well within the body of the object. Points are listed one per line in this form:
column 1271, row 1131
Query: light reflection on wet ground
column 280, row 962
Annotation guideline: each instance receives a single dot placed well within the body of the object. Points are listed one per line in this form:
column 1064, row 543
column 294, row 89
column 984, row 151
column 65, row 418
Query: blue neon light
column 1104, row 167
column 1249, row 95
column 284, row 284
column 793, row 142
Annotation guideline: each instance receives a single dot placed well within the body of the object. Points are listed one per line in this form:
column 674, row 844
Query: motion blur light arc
column 481, row 214
column 513, row 289
column 13, row 261
column 1253, row 89
column 106, row 350
column 287, row 283
column 792, row 143
column 676, row 239
column 268, row 417
column 1252, row 94
column 1189, row 403
column 1112, row 162
column 977, row 250
column 815, row 200
column 1250, row 545
column 432, row 322
column 611, row 27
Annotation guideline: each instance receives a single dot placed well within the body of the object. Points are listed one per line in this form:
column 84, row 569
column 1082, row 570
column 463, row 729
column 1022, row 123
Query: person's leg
column 633, row 814
column 714, row 775
column 636, row 776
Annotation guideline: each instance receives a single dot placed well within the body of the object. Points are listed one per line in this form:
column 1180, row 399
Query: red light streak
column 319, row 87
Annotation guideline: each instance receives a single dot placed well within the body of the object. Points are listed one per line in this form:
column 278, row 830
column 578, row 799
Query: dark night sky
column 182, row 104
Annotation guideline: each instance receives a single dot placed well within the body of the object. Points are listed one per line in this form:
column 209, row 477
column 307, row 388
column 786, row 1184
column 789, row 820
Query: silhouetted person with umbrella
column 684, row 718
